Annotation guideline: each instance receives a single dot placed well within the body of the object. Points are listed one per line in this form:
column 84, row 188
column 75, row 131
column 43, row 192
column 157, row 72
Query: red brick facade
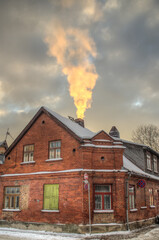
column 100, row 157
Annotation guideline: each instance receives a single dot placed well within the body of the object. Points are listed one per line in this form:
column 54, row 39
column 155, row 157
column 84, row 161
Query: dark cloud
column 126, row 34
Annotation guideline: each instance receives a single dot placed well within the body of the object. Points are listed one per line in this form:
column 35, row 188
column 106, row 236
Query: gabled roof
column 72, row 127
column 81, row 132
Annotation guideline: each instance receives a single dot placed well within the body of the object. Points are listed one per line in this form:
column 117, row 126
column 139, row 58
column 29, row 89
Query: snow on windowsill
column 27, row 162
column 152, row 206
column 104, row 211
column 53, row 159
column 144, row 207
column 133, row 210
column 11, row 210
column 50, row 211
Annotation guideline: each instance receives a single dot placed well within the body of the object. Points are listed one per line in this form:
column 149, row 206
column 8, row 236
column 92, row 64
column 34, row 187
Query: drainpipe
column 127, row 200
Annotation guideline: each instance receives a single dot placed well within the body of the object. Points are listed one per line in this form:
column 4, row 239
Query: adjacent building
column 60, row 176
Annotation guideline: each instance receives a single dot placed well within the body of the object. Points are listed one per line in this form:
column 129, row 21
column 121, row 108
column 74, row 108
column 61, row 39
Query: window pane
column 107, row 202
column 31, row 157
column 25, row 157
column 57, row 153
column 58, row 143
column 52, row 153
column 6, row 203
column 102, row 188
column 98, row 202
column 52, row 144
column 131, row 189
column 12, row 202
column 17, row 202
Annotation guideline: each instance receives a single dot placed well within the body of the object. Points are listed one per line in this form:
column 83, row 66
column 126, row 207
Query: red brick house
column 42, row 178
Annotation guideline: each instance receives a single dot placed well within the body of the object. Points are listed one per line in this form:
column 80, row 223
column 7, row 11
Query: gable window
column 28, row 153
column 11, row 197
column 155, row 164
column 149, row 165
column 151, row 197
column 55, row 149
column 103, row 197
column 51, row 196
column 131, row 197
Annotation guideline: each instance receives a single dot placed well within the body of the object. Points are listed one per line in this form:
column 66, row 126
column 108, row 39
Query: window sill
column 152, row 206
column 133, row 210
column 155, row 171
column 48, row 211
column 53, row 159
column 104, row 211
column 149, row 169
column 27, row 162
column 11, row 210
column 144, row 207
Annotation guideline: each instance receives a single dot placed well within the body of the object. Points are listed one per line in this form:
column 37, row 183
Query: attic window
column 28, row 153
column 43, row 122
column 149, row 164
column 55, row 149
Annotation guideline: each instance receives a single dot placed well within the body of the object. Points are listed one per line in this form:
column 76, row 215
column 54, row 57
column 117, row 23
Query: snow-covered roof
column 73, row 126
column 127, row 164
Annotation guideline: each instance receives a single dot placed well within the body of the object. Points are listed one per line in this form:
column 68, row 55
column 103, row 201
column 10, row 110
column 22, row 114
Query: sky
column 45, row 46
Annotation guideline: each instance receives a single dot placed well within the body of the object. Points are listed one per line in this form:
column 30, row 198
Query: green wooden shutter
column 51, row 196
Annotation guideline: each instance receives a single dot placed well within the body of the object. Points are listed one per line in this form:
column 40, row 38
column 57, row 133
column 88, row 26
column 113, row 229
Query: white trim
column 144, row 207
column 101, row 146
column 152, row 206
column 50, row 211
column 102, row 140
column 27, row 162
column 11, row 210
column 134, row 210
column 65, row 171
column 104, row 211
column 53, row 159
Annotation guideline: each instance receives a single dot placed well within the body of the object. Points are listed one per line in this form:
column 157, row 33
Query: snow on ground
column 37, row 235
column 151, row 235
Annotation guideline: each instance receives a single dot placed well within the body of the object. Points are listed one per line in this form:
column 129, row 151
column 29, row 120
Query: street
column 149, row 233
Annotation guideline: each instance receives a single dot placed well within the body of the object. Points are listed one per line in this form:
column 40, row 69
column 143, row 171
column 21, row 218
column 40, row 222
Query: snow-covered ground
column 18, row 234
column 36, row 235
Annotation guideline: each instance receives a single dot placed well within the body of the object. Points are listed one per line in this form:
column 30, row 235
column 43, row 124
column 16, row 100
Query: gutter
column 127, row 200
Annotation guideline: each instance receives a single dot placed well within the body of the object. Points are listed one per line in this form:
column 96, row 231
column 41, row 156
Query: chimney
column 80, row 121
column 114, row 132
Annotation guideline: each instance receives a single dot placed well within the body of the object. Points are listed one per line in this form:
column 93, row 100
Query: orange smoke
column 74, row 51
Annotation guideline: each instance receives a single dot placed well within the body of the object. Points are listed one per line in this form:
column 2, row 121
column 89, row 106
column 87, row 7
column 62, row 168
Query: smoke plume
column 74, row 50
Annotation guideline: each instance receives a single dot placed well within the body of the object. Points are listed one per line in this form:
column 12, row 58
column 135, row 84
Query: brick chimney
column 80, row 121
column 114, row 132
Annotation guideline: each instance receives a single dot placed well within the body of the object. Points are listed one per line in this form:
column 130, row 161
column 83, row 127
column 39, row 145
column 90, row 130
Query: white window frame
column 155, row 164
column 149, row 162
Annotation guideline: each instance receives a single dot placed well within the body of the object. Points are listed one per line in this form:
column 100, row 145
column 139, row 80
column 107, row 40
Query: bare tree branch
column 147, row 135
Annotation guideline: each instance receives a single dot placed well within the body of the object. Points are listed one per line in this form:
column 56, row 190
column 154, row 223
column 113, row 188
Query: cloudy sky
column 117, row 41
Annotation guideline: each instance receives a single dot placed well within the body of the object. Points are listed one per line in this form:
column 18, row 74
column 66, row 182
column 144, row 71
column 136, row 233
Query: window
column 11, row 197
column 151, row 196
column 55, row 149
column 51, row 196
column 103, row 197
column 155, row 164
column 149, row 166
column 28, row 153
column 131, row 197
